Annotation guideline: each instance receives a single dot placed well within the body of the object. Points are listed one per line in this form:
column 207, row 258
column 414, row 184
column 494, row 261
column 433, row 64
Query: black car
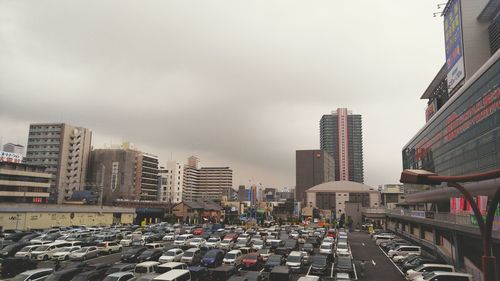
column 415, row 262
column 94, row 272
column 313, row 240
column 254, row 276
column 150, row 255
column 274, row 260
column 27, row 238
column 320, row 264
column 309, row 248
column 344, row 264
column 291, row 245
column 120, row 267
column 17, row 236
column 198, row 273
column 131, row 255
column 222, row 273
column 14, row 266
column 280, row 273
column 65, row 274
column 12, row 249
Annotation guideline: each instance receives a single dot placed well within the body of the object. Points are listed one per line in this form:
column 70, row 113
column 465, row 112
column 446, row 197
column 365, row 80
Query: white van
column 146, row 267
column 174, row 275
column 405, row 250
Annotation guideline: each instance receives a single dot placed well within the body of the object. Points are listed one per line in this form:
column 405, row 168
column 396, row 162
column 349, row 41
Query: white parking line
column 373, row 262
column 331, row 274
column 261, row 270
column 309, row 270
column 355, row 273
column 392, row 262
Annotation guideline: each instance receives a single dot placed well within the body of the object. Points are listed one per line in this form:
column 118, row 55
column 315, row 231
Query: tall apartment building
column 13, row 148
column 205, row 183
column 313, row 167
column 341, row 135
column 123, row 174
column 64, row 151
column 171, row 182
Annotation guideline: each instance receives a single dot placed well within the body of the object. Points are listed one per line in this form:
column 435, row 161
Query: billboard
column 454, row 44
column 10, row 157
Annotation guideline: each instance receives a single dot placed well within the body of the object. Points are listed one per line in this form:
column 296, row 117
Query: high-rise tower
column 341, row 135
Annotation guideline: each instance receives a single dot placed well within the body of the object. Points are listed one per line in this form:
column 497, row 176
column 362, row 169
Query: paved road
column 100, row 259
column 378, row 267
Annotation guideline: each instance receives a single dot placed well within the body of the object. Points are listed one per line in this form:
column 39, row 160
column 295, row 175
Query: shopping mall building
column 461, row 136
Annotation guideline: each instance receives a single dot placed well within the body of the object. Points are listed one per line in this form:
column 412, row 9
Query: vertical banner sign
column 454, row 45
column 114, row 176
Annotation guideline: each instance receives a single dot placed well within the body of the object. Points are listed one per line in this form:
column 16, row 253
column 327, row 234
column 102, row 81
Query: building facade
column 460, row 137
column 312, row 167
column 23, row 183
column 123, row 174
column 205, row 183
column 341, row 135
column 172, row 182
column 13, row 148
column 64, row 151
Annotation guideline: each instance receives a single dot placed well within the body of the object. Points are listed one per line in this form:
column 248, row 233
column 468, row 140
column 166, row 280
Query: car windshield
column 251, row 257
column 147, row 253
column 326, row 246
column 258, row 242
column 141, row 269
column 293, row 258
column 230, row 256
column 170, row 254
column 275, row 258
column 20, row 277
column 180, row 238
column 343, row 261
column 263, row 251
column 197, row 240
column 226, row 242
column 213, row 240
column 41, row 248
column 25, row 249
column 82, row 250
column 111, row 278
column 341, row 246
column 188, row 254
column 211, row 255
column 319, row 260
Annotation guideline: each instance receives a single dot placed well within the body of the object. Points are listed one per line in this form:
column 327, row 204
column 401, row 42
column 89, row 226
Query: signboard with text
column 454, row 45
column 10, row 157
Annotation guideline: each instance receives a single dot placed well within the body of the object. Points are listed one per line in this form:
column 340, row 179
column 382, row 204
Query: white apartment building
column 171, row 182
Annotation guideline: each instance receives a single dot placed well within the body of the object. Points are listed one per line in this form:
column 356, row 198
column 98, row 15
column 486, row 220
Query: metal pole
column 488, row 261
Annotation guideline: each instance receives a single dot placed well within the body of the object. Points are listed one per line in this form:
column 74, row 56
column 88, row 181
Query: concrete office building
column 13, row 148
column 172, row 182
column 23, row 183
column 64, row 151
column 341, row 135
column 123, row 174
column 205, row 183
column 312, row 167
column 460, row 137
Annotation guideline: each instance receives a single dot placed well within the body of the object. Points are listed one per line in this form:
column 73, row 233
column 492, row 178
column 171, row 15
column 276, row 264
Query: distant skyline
column 238, row 84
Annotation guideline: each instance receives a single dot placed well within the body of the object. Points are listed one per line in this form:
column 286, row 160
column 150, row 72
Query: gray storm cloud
column 238, row 83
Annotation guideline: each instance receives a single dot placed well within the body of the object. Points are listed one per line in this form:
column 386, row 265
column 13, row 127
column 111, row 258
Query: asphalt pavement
column 378, row 267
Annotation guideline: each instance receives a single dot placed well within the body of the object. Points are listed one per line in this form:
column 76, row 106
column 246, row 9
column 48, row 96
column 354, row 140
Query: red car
column 198, row 231
column 252, row 260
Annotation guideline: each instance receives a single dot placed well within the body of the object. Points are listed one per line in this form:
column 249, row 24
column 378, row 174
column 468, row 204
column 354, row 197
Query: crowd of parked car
column 413, row 263
column 177, row 252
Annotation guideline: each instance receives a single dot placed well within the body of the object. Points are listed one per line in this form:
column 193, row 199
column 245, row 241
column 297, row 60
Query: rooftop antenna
column 440, row 13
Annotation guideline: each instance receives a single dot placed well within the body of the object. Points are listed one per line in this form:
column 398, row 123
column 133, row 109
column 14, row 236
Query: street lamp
column 425, row 177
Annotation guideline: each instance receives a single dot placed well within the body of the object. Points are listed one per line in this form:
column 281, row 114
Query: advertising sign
column 454, row 45
column 10, row 157
column 114, row 176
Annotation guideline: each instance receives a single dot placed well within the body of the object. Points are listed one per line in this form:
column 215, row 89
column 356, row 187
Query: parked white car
column 326, row 248
column 127, row 241
column 183, row 240
column 63, row 253
column 25, row 252
column 234, row 257
column 84, row 253
column 109, row 247
column 342, row 249
column 213, row 242
column 171, row 255
column 169, row 237
column 413, row 274
column 197, row 242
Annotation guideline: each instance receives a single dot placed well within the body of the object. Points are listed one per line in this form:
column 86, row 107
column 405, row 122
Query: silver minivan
column 404, row 250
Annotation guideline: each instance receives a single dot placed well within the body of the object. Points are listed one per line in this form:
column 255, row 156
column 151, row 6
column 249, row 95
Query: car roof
column 148, row 263
column 192, row 250
column 38, row 270
column 171, row 264
column 234, row 252
column 172, row 274
column 120, row 274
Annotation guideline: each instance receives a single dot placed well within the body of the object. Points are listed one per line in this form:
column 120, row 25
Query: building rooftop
column 342, row 186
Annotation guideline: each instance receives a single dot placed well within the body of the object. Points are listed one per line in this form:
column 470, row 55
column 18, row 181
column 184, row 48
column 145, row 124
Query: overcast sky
column 236, row 83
